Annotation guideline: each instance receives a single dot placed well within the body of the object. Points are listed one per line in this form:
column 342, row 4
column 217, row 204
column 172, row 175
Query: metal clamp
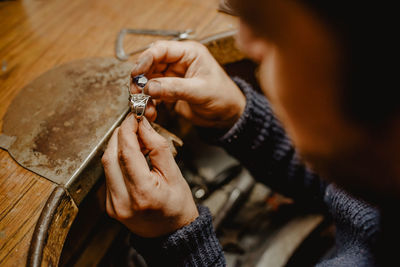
column 119, row 44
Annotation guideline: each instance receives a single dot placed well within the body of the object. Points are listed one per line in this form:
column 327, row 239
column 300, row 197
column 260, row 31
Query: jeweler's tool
column 119, row 44
column 203, row 190
column 238, row 194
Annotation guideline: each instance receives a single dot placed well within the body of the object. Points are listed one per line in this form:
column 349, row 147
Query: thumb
column 174, row 89
column 159, row 149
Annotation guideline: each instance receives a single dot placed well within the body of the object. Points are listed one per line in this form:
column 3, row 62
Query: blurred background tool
column 236, row 197
column 202, row 189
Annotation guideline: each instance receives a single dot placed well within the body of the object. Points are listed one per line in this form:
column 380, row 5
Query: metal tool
column 119, row 44
column 203, row 190
column 236, row 196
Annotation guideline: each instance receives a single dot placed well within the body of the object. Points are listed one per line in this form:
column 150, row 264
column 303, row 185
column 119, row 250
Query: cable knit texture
column 259, row 142
column 357, row 229
column 192, row 245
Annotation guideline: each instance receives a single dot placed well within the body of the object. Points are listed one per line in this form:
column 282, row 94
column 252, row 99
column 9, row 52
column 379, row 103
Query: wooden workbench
column 36, row 36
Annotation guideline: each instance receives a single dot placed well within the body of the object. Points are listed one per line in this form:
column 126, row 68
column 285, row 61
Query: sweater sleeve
column 260, row 143
column 193, row 245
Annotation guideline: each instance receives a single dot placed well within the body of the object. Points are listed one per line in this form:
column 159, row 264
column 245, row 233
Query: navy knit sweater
column 259, row 142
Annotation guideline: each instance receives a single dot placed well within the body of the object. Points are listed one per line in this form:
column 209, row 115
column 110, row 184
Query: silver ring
column 140, row 81
column 138, row 104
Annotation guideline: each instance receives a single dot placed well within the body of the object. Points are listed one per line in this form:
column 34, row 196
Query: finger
column 174, row 89
column 176, row 68
column 168, row 70
column 131, row 160
column 159, row 151
column 172, row 73
column 134, row 89
column 165, row 52
column 160, row 68
column 151, row 111
column 114, row 177
column 144, row 150
column 110, row 209
column 155, row 75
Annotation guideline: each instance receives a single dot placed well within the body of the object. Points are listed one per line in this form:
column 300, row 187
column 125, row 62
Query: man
column 314, row 74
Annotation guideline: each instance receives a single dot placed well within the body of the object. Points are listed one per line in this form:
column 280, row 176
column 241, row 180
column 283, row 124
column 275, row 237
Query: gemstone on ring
column 140, row 80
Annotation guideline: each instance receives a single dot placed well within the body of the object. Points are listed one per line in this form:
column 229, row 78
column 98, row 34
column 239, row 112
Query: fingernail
column 144, row 59
column 146, row 124
column 134, row 71
column 152, row 87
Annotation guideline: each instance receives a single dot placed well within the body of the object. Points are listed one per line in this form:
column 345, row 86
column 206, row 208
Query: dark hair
column 367, row 32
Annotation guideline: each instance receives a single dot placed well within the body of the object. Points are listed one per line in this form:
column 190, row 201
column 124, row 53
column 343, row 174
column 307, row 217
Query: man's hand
column 153, row 202
column 186, row 74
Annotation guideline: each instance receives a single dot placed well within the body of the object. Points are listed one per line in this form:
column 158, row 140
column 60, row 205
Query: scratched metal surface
column 60, row 118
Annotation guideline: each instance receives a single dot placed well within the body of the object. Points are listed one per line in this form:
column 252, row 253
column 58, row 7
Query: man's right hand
column 186, row 74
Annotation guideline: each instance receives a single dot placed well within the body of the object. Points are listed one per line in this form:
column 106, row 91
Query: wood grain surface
column 36, row 36
column 22, row 198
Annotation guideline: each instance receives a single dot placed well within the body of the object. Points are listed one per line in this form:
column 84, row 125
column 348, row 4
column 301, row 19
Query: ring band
column 138, row 104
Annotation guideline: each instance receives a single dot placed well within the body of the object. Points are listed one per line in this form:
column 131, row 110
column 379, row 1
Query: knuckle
column 163, row 144
column 110, row 207
column 199, row 46
column 122, row 132
column 158, row 43
column 172, row 91
column 110, row 211
column 106, row 160
column 122, row 214
column 158, row 46
column 142, row 204
column 145, row 198
column 120, row 210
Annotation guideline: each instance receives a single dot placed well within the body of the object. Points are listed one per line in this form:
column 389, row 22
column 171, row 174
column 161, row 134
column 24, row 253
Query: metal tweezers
column 119, row 44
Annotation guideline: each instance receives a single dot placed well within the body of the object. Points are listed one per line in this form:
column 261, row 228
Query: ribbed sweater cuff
column 193, row 245
column 251, row 128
